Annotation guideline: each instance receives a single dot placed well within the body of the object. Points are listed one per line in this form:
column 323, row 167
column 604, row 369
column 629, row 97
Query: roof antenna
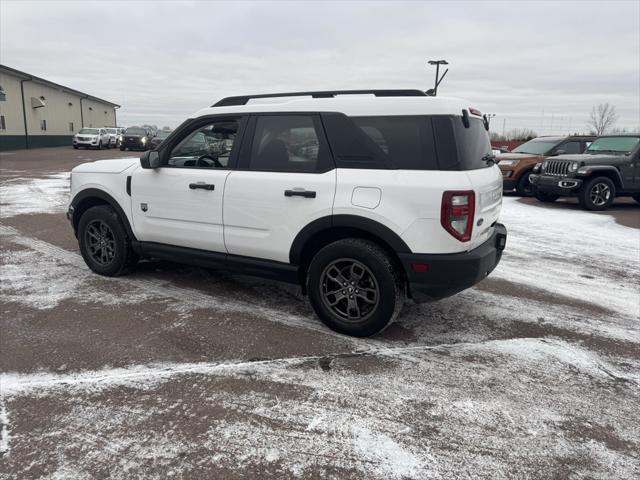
column 432, row 92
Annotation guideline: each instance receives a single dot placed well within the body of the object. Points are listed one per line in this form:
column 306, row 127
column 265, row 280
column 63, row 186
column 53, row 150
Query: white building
column 36, row 113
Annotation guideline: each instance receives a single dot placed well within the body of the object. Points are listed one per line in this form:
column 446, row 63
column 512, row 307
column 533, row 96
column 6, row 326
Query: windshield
column 135, row 131
column 162, row 134
column 614, row 144
column 89, row 131
column 537, row 146
column 112, row 130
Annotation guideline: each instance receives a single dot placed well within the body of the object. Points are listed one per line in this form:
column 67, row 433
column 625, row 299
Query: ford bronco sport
column 517, row 165
column 610, row 167
column 360, row 197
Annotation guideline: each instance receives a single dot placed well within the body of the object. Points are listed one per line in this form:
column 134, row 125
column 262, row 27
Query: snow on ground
column 21, row 195
column 583, row 255
column 456, row 398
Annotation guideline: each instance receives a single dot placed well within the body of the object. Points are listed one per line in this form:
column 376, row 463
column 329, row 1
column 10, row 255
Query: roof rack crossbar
column 243, row 99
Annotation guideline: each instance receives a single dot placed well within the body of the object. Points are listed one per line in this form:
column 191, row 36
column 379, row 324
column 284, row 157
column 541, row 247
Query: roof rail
column 243, row 99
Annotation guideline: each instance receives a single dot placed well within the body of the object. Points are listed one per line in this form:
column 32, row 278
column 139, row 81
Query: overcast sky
column 539, row 65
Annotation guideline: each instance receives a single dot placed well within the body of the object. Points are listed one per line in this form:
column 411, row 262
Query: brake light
column 457, row 213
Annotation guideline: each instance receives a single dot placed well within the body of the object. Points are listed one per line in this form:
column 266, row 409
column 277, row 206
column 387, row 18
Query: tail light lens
column 457, row 213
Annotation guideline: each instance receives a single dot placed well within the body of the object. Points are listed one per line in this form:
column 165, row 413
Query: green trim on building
column 17, row 142
column 12, row 142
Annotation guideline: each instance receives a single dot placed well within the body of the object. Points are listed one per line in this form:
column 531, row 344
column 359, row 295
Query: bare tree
column 602, row 118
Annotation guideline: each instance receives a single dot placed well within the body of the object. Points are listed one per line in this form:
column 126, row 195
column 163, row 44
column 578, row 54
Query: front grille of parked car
column 84, row 139
column 556, row 167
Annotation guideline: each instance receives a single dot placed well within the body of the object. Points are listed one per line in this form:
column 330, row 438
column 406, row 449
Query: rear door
column 180, row 203
column 284, row 181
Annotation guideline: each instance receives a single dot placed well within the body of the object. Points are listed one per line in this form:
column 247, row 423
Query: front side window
column 209, row 146
column 288, row 143
column 570, row 147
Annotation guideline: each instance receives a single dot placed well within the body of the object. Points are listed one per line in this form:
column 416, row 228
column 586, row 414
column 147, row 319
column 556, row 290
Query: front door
column 180, row 203
column 285, row 180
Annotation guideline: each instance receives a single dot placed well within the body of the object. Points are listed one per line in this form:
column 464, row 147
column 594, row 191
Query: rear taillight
column 457, row 214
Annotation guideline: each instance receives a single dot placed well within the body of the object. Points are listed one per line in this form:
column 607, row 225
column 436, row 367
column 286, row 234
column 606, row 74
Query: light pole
column 434, row 91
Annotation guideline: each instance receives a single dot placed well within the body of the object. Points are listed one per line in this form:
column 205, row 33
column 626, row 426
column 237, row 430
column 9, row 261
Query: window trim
column 189, row 127
column 246, row 150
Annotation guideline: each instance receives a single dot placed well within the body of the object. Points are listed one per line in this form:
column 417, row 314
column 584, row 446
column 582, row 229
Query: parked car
column 517, row 165
column 609, row 168
column 136, row 138
column 158, row 139
column 114, row 136
column 398, row 196
column 91, row 138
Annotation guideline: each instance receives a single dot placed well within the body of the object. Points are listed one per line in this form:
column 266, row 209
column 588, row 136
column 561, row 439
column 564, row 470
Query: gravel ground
column 182, row 372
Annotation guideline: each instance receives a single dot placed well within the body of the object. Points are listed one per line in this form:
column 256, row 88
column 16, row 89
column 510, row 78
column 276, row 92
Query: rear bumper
column 449, row 274
column 556, row 185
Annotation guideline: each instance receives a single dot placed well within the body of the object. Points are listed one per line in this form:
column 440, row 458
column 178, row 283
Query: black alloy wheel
column 349, row 290
column 100, row 242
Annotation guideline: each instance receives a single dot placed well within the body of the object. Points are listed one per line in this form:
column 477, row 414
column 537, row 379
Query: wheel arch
column 91, row 197
column 612, row 173
column 326, row 230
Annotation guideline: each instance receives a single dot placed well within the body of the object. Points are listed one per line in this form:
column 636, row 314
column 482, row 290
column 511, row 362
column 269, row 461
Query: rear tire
column 597, row 194
column 122, row 149
column 104, row 243
column 524, row 188
column 545, row 197
column 355, row 287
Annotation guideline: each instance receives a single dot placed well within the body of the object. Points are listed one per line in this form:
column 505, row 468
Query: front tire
column 355, row 287
column 104, row 243
column 636, row 197
column 100, row 145
column 597, row 194
column 524, row 187
column 75, row 147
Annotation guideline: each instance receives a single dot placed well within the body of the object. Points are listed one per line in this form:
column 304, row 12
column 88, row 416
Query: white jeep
column 363, row 198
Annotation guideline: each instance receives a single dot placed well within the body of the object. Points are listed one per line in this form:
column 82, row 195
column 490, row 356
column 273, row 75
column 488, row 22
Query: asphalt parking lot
column 182, row 372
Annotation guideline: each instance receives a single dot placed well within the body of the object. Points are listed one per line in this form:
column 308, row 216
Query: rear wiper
column 489, row 159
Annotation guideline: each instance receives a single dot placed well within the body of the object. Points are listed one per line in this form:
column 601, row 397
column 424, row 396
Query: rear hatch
column 472, row 154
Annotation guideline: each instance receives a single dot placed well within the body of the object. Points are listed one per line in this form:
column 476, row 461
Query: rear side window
column 288, row 143
column 406, row 142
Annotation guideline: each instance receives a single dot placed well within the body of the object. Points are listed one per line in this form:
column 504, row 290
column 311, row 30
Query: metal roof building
column 36, row 113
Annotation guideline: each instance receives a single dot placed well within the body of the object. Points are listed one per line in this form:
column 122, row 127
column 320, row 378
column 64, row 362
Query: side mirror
column 150, row 159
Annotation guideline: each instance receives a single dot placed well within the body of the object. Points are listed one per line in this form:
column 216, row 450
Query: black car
column 136, row 138
column 609, row 168
column 158, row 139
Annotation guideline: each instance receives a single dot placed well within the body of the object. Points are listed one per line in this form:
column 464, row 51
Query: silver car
column 92, row 138
column 115, row 136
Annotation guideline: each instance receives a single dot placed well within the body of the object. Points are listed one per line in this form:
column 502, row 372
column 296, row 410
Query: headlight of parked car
column 509, row 163
column 573, row 166
column 537, row 167
column 143, row 139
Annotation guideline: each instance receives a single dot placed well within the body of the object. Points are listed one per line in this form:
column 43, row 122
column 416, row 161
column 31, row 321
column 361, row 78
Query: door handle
column 300, row 193
column 201, row 185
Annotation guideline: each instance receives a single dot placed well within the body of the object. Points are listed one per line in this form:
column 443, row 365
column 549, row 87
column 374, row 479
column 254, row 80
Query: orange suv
column 517, row 165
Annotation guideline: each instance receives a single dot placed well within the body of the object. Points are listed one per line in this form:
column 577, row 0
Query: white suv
column 360, row 197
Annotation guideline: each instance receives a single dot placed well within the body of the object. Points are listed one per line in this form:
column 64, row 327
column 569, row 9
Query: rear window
column 406, row 142
column 439, row 142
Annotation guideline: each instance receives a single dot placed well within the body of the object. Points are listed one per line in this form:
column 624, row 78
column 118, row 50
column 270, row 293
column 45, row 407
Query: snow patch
column 4, row 427
column 20, row 196
column 577, row 254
